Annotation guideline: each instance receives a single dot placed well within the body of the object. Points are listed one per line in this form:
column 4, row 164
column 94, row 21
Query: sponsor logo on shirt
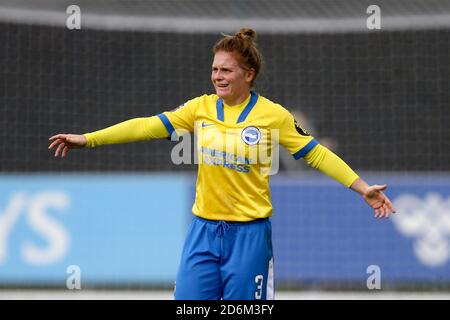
column 225, row 159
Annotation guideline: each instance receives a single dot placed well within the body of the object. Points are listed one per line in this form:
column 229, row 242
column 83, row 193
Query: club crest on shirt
column 251, row 135
column 300, row 130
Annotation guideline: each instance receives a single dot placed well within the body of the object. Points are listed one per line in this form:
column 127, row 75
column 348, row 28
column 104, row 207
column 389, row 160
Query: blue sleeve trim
column 304, row 151
column 166, row 123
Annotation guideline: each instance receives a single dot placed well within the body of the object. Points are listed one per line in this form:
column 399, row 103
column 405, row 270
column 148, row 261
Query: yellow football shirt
column 236, row 150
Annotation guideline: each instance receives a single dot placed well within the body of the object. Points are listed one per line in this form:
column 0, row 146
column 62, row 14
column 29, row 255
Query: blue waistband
column 231, row 223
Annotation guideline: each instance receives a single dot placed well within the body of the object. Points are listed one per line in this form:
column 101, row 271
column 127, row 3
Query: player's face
column 231, row 81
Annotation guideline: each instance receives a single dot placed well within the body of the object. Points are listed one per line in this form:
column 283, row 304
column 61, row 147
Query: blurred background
column 369, row 79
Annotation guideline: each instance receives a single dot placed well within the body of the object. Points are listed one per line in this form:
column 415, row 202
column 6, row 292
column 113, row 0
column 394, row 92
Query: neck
column 237, row 100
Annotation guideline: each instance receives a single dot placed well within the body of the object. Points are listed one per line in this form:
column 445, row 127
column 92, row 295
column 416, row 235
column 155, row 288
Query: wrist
column 360, row 186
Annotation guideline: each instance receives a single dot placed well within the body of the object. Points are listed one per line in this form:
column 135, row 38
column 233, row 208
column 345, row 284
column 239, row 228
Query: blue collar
column 244, row 113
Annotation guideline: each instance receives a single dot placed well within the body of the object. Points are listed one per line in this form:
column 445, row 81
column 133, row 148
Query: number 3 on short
column 259, row 285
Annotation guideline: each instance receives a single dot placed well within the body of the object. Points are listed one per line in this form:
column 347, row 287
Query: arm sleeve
column 293, row 137
column 330, row 164
column 138, row 129
column 181, row 120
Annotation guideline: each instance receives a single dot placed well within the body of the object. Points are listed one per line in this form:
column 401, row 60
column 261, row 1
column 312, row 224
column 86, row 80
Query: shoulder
column 274, row 109
column 203, row 100
column 207, row 98
column 194, row 104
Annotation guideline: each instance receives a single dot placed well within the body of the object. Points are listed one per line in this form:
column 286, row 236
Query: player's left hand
column 381, row 204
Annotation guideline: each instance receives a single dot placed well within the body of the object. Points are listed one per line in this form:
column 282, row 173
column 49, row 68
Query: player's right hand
column 65, row 142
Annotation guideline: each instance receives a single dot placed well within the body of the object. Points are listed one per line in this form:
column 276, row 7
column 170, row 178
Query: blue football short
column 226, row 260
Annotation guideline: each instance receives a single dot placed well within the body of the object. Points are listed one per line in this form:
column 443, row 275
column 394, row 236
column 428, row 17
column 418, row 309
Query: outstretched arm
column 138, row 129
column 329, row 163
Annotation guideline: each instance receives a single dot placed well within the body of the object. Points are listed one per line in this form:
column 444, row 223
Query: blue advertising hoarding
column 115, row 228
column 129, row 229
column 324, row 232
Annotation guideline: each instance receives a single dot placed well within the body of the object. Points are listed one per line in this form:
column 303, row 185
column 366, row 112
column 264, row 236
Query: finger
column 59, row 149
column 390, row 205
column 377, row 212
column 65, row 150
column 57, row 136
column 380, row 187
column 382, row 213
column 387, row 211
column 54, row 143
